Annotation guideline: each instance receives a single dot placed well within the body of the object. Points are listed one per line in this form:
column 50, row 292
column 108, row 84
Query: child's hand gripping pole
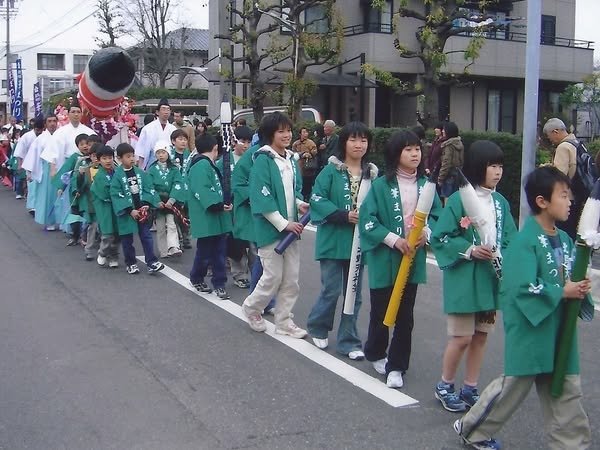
column 474, row 210
column 291, row 236
column 587, row 238
column 420, row 219
column 355, row 253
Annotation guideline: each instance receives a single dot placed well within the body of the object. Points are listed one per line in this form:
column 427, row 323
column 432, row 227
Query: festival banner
column 12, row 92
column 37, row 99
column 18, row 108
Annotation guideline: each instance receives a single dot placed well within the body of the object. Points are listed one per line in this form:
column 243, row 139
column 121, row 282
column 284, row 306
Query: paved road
column 94, row 358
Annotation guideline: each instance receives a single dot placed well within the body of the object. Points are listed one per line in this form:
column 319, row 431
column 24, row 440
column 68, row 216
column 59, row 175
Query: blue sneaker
column 469, row 395
column 490, row 444
column 450, row 400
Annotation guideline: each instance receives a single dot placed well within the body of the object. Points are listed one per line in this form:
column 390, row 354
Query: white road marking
column 355, row 376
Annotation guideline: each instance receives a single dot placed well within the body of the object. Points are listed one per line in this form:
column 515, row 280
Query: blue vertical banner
column 12, row 92
column 18, row 109
column 37, row 99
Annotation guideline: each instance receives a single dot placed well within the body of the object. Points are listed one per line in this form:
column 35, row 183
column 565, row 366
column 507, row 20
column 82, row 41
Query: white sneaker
column 356, row 355
column 379, row 366
column 113, row 264
column 255, row 320
column 292, row 330
column 18, row 197
column 101, row 260
column 51, row 228
column 320, row 343
column 394, row 379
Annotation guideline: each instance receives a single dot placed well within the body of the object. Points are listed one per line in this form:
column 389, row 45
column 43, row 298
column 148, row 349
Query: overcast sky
column 39, row 20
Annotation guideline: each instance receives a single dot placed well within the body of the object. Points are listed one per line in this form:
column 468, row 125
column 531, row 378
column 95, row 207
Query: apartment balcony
column 503, row 55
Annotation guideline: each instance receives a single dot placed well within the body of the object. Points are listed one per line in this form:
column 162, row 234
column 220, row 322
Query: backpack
column 586, row 173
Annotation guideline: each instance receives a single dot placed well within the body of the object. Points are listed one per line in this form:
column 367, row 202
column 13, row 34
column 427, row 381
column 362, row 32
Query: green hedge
column 152, row 92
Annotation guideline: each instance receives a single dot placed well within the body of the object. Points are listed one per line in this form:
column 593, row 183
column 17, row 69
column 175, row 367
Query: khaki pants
column 566, row 423
column 166, row 233
column 280, row 280
column 92, row 241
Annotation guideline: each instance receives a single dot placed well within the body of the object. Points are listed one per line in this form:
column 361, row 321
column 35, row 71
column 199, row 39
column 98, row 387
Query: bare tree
column 150, row 20
column 438, row 21
column 110, row 21
column 246, row 31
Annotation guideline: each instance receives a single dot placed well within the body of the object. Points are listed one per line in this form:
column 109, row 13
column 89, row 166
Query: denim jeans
column 147, row 244
column 256, row 271
column 334, row 276
column 210, row 251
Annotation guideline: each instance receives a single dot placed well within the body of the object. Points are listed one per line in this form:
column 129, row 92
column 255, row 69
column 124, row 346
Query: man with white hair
column 565, row 160
column 328, row 144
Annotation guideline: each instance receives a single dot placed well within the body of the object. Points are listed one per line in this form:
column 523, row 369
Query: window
column 3, row 84
column 79, row 63
column 379, row 20
column 501, row 110
column 548, row 29
column 316, row 20
column 50, row 61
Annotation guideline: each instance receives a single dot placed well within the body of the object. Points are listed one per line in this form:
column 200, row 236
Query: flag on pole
column 12, row 92
column 18, row 108
column 37, row 99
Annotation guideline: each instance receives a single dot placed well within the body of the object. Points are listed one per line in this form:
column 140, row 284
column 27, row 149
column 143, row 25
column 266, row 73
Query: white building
column 54, row 68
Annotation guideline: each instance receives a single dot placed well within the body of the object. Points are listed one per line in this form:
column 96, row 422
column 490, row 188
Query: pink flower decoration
column 465, row 222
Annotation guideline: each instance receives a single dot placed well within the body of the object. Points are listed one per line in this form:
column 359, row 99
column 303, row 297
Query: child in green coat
column 166, row 180
column 275, row 201
column 470, row 283
column 210, row 218
column 333, row 207
column 106, row 220
column 535, row 286
column 385, row 220
column 132, row 196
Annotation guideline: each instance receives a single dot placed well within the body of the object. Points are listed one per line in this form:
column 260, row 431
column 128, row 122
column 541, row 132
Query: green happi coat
column 331, row 193
column 81, row 183
column 267, row 195
column 243, row 223
column 380, row 214
column 122, row 200
column 469, row 285
column 68, row 166
column 532, row 304
column 181, row 165
column 167, row 183
column 204, row 190
column 100, row 193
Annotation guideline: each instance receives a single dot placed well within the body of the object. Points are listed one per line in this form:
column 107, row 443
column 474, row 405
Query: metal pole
column 7, row 58
column 530, row 113
column 361, row 115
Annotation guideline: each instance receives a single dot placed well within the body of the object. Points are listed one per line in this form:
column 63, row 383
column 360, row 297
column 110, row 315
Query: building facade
column 54, row 68
column 492, row 98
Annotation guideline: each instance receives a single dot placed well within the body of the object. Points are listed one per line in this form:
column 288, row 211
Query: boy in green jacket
column 105, row 217
column 132, row 196
column 535, row 284
column 275, row 200
column 210, row 218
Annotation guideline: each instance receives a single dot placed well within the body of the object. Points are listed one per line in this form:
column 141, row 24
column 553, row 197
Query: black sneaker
column 201, row 287
column 133, row 269
column 469, row 396
column 222, row 294
column 71, row 242
column 156, row 266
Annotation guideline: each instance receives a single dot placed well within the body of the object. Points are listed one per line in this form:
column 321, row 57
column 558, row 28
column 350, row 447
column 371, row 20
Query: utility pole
column 530, row 113
column 8, row 10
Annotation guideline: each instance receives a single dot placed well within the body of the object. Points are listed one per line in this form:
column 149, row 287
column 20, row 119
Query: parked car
column 308, row 114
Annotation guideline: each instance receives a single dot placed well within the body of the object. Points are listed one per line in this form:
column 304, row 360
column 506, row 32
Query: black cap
column 163, row 102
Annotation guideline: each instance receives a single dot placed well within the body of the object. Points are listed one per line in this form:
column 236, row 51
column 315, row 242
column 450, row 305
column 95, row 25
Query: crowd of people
column 173, row 180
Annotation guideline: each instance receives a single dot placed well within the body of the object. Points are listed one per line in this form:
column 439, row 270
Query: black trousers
column 376, row 347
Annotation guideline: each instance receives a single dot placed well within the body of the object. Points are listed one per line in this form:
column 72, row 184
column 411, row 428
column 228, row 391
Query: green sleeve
column 262, row 200
column 298, row 183
column 100, row 187
column 533, row 296
column 68, row 166
column 449, row 239
column 121, row 204
column 509, row 229
column 240, row 181
column 372, row 231
column 177, row 190
column 202, row 187
column 435, row 212
column 321, row 206
column 148, row 194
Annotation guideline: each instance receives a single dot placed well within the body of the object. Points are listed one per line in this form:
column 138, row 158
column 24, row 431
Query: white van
column 309, row 114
